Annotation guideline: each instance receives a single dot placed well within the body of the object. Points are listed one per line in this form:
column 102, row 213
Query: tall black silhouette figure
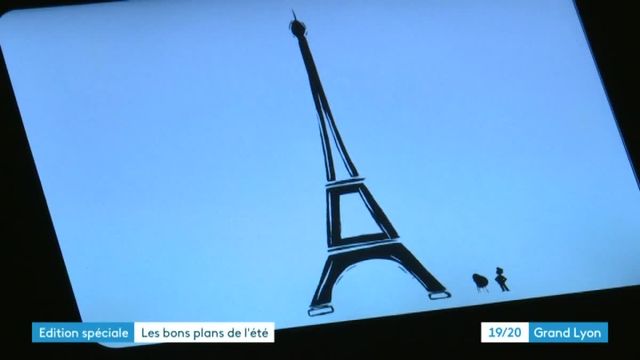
column 347, row 251
column 501, row 279
column 481, row 282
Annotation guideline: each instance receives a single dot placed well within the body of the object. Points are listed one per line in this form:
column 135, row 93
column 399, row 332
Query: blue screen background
column 178, row 148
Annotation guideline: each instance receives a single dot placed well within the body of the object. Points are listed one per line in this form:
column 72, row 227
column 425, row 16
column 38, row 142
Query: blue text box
column 569, row 332
column 74, row 332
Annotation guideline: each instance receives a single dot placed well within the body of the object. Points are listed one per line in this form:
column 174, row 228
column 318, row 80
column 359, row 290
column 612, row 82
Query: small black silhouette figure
column 501, row 279
column 481, row 282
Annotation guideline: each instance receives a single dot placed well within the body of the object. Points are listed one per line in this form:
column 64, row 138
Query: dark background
column 37, row 288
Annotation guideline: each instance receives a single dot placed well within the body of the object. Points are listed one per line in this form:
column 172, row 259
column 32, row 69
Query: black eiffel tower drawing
column 347, row 251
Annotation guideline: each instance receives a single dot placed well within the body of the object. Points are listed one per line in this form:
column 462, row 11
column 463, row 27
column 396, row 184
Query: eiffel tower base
column 394, row 250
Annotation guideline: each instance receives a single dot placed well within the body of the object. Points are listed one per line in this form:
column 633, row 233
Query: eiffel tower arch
column 344, row 252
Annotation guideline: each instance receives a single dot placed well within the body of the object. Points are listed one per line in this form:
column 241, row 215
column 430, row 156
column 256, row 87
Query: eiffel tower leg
column 400, row 254
column 395, row 251
column 333, row 267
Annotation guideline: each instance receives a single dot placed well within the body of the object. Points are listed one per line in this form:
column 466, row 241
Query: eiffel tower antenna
column 347, row 251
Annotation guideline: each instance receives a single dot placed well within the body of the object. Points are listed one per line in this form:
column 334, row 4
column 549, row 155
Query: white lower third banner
column 204, row 332
column 154, row 332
